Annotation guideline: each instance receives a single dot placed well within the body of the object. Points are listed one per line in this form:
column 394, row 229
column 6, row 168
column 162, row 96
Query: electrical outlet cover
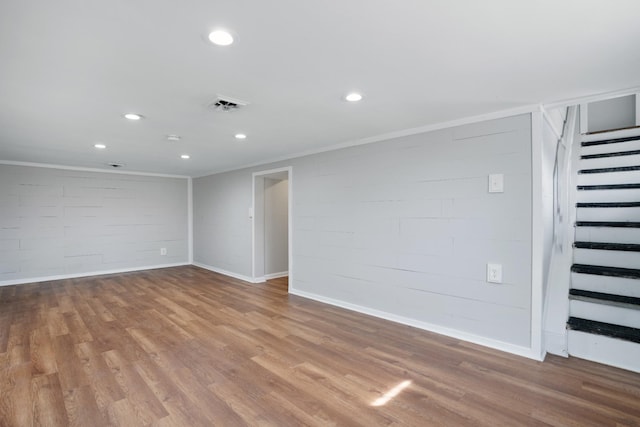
column 496, row 183
column 494, row 273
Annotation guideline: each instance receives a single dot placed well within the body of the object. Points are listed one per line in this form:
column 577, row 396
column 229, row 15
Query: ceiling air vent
column 227, row 104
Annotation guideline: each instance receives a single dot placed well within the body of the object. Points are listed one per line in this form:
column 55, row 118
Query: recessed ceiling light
column 100, row 146
column 174, row 138
column 241, row 136
column 185, row 156
column 132, row 116
column 221, row 38
column 353, row 97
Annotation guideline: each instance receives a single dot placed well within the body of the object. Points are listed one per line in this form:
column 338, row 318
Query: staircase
column 604, row 299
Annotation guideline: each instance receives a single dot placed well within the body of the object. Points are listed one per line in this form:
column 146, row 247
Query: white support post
column 537, row 231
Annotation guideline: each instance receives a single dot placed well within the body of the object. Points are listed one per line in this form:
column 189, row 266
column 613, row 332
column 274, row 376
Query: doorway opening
column 271, row 226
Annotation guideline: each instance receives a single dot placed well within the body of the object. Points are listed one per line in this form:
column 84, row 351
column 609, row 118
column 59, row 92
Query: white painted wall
column 276, row 225
column 63, row 222
column 615, row 113
column 403, row 227
column 221, row 223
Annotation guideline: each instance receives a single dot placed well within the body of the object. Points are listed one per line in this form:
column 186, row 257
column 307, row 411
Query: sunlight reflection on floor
column 382, row 400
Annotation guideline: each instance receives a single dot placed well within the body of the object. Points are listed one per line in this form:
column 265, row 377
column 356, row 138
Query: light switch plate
column 496, row 183
column 494, row 273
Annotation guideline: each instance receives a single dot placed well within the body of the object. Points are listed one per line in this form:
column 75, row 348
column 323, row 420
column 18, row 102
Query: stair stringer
column 558, row 281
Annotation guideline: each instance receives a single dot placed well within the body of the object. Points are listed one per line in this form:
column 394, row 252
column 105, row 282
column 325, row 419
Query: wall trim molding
column 453, row 333
column 276, row 275
column 85, row 169
column 526, row 109
column 591, row 98
column 229, row 273
column 254, row 175
column 88, row 274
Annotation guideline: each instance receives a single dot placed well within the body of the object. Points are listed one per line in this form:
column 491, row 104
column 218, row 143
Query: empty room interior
column 284, row 213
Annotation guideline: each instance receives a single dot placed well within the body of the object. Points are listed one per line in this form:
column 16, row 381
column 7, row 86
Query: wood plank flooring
column 187, row 347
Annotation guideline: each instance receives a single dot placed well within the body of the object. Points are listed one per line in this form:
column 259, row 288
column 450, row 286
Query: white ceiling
column 70, row 69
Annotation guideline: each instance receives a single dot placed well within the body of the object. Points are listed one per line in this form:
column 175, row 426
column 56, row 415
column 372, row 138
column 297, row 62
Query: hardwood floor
column 187, row 347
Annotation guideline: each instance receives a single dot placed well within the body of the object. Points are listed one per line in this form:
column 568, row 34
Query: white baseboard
column 464, row 336
column 276, row 275
column 86, row 274
column 230, row 273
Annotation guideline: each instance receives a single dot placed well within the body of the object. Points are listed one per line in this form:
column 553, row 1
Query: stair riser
column 606, row 258
column 609, row 162
column 608, row 214
column 632, row 195
column 606, row 284
column 605, row 313
column 608, row 234
column 601, row 349
column 609, row 148
column 609, row 178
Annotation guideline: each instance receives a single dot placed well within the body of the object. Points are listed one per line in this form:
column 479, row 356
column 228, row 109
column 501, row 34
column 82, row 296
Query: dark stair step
column 626, row 247
column 614, row 154
column 611, row 169
column 604, row 298
column 600, row 270
column 608, row 205
column 617, row 224
column 607, row 329
column 610, row 141
column 609, row 187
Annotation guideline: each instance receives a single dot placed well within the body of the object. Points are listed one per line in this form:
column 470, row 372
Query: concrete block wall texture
column 404, row 227
column 56, row 222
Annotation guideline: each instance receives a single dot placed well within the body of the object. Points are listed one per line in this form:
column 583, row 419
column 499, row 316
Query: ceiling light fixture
column 241, row 136
column 185, row 156
column 353, row 97
column 174, row 138
column 100, row 146
column 132, row 116
column 220, row 38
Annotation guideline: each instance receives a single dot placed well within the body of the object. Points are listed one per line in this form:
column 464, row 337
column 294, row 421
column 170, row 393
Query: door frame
column 258, row 214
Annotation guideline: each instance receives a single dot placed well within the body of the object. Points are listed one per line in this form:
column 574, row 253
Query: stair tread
column 610, row 141
column 601, row 270
column 607, row 224
column 601, row 328
column 605, row 297
column 609, row 186
column 608, row 205
column 613, row 154
column 627, row 247
column 610, row 169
